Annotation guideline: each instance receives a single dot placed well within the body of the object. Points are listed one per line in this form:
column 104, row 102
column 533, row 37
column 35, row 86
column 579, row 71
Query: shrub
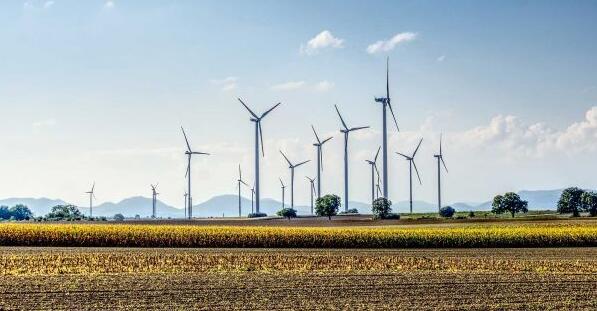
column 287, row 213
column 328, row 205
column 352, row 211
column 4, row 212
column 20, row 212
column 589, row 202
column 447, row 211
column 119, row 217
column 509, row 202
column 64, row 212
column 381, row 208
column 471, row 214
column 570, row 201
column 257, row 215
column 393, row 216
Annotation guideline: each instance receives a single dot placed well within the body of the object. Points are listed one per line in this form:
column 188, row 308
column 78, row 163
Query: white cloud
column 28, row 5
column 289, row 86
column 226, row 84
column 324, row 86
column 48, row 4
column 323, row 40
column 44, row 123
column 441, row 58
column 109, row 4
column 388, row 45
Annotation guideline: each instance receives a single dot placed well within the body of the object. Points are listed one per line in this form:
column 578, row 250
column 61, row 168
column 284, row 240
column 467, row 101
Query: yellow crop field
column 123, row 235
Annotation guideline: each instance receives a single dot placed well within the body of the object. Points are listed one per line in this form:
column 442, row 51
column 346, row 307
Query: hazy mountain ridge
column 227, row 205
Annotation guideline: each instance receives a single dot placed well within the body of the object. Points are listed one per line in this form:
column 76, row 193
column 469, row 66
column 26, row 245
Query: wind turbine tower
column 373, row 164
column 189, row 154
column 440, row 158
column 258, row 138
column 91, row 197
column 319, row 146
column 240, row 183
column 411, row 164
column 385, row 101
column 283, row 191
column 312, row 190
column 292, row 166
column 154, row 196
column 346, row 130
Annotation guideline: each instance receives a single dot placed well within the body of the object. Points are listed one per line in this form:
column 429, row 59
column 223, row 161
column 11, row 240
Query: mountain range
column 227, row 205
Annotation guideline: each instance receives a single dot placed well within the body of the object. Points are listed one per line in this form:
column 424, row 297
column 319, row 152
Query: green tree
column 287, row 213
column 20, row 212
column 381, row 208
column 328, row 205
column 64, row 212
column 4, row 212
column 589, row 202
column 509, row 202
column 119, row 217
column 570, row 201
column 447, row 211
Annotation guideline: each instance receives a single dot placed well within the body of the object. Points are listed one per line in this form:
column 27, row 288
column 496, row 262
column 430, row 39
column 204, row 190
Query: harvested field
column 269, row 279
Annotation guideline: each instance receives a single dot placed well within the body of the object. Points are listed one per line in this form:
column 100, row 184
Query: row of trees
column 575, row 200
column 17, row 212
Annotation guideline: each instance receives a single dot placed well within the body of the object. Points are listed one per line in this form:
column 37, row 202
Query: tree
column 381, row 208
column 570, row 201
column 509, row 202
column 287, row 213
column 447, row 211
column 20, row 212
column 328, row 205
column 64, row 212
column 119, row 217
column 589, row 202
column 4, row 212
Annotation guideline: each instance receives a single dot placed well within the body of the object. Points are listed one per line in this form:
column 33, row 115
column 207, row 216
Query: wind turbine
column 440, row 158
column 189, row 154
column 319, row 146
column 411, row 164
column 283, row 191
column 252, row 199
column 385, row 101
column 373, row 164
column 258, row 137
column 312, row 190
column 154, row 195
column 346, row 131
column 240, row 183
column 292, row 167
column 91, row 197
column 185, row 204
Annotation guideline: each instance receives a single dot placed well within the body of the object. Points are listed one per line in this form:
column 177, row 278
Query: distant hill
column 130, row 207
column 39, row 206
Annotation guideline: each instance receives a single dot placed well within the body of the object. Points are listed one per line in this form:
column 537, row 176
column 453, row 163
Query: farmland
column 127, row 278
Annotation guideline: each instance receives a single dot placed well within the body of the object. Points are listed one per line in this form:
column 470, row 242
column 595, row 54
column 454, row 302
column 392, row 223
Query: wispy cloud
column 44, row 123
column 390, row 44
column 323, row 40
column 324, row 86
column 28, row 5
column 226, row 84
column 48, row 4
column 109, row 4
column 441, row 58
column 289, row 86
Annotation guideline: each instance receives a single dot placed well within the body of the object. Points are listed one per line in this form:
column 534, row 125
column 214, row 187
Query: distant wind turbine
column 252, row 199
column 345, row 130
column 373, row 164
column 283, row 191
column 440, row 158
column 385, row 101
column 91, row 197
column 240, row 183
column 154, row 195
column 312, row 190
column 189, row 154
column 258, row 138
column 292, row 166
column 411, row 164
column 319, row 146
column 185, row 204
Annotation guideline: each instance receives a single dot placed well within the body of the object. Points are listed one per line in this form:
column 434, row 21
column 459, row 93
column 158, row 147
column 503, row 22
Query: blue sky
column 97, row 90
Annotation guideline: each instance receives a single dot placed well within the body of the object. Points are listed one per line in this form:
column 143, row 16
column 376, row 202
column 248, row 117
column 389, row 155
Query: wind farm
column 280, row 155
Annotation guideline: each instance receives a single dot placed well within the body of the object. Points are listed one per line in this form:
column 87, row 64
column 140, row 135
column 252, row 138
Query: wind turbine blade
column 377, row 154
column 281, row 182
column 203, row 153
column 321, row 157
column 285, row 157
column 326, row 140
column 341, row 119
column 187, row 172
column 358, row 128
column 393, row 115
column 185, row 138
column 440, row 144
column 417, row 149
column 250, row 111
column 388, row 78
column 302, row 163
column 417, row 171
column 444, row 163
column 316, row 137
column 240, row 173
column 93, row 187
column 261, row 138
column 407, row 157
column 377, row 171
column 272, row 108
column 244, row 183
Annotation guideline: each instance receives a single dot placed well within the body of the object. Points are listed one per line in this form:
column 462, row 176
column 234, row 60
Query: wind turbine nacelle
column 380, row 99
